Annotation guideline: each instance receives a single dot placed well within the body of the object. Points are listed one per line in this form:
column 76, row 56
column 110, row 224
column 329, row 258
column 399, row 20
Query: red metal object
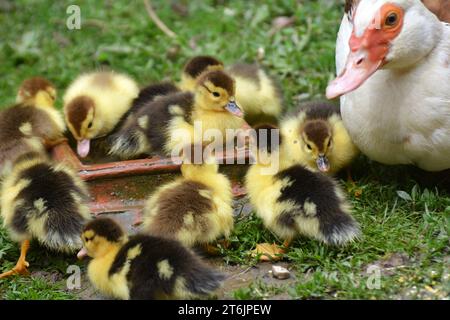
column 123, row 186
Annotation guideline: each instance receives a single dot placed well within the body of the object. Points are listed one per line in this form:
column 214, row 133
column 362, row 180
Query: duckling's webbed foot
column 353, row 186
column 268, row 252
column 21, row 265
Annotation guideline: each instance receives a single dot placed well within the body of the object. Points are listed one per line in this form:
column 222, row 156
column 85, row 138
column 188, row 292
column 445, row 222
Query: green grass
column 119, row 35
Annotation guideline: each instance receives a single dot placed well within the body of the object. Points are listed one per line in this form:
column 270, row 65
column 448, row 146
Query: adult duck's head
column 386, row 34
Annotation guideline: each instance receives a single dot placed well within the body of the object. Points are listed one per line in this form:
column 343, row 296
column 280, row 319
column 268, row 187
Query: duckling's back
column 44, row 201
column 315, row 206
column 163, row 268
column 23, row 129
column 150, row 128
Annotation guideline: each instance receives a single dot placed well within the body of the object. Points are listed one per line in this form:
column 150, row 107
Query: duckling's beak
column 234, row 109
column 322, row 163
column 82, row 253
column 83, row 147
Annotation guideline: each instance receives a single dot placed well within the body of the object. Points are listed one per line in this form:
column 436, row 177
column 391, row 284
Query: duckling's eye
column 329, row 143
column 308, row 146
column 391, row 19
column 89, row 125
column 216, row 94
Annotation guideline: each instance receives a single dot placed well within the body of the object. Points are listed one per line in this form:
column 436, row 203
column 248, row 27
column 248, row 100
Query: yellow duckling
column 256, row 92
column 171, row 121
column 144, row 267
column 32, row 123
column 195, row 68
column 293, row 200
column 94, row 103
column 195, row 209
column 43, row 201
column 315, row 137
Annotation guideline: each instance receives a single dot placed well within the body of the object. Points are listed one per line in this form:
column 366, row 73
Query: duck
column 94, row 103
column 168, row 123
column 44, row 201
column 394, row 82
column 32, row 123
column 293, row 200
column 257, row 92
column 195, row 209
column 143, row 266
column 317, row 137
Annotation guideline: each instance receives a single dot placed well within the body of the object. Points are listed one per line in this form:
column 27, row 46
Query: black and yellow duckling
column 94, row 103
column 195, row 209
column 293, row 200
column 144, row 267
column 43, row 201
column 315, row 137
column 32, row 124
column 256, row 92
column 169, row 121
column 195, row 68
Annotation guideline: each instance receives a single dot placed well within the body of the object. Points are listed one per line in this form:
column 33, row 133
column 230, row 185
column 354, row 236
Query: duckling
column 195, row 209
column 169, row 121
column 43, row 201
column 195, row 68
column 315, row 137
column 293, row 200
column 94, row 103
column 257, row 93
column 152, row 92
column 142, row 266
column 32, row 124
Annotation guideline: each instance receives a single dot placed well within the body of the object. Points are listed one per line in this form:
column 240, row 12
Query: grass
column 400, row 220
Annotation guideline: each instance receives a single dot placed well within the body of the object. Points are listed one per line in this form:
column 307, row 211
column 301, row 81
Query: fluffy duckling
column 43, row 201
column 144, row 267
column 168, row 122
column 293, row 200
column 195, row 209
column 94, row 103
column 315, row 137
column 32, row 123
column 256, row 92
column 195, row 68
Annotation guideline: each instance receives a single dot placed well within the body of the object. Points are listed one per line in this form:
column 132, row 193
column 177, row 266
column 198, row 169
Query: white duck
column 395, row 82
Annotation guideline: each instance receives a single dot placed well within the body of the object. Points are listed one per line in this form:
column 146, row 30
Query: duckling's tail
column 127, row 143
column 340, row 229
column 203, row 280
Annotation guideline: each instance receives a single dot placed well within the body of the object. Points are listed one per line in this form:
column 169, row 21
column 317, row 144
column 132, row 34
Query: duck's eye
column 89, row 125
column 216, row 94
column 391, row 19
column 308, row 146
column 329, row 143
